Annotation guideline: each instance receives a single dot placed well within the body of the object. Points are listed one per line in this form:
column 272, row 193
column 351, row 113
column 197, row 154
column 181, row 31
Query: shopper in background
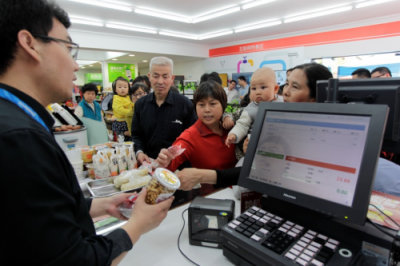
column 46, row 220
column 244, row 87
column 88, row 107
column 212, row 76
column 361, row 73
column 160, row 117
column 381, row 72
column 233, row 94
column 121, row 106
column 137, row 91
column 143, row 79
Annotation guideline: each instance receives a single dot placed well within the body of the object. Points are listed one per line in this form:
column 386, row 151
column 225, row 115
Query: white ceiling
column 278, row 9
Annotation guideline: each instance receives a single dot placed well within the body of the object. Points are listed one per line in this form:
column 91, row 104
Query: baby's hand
column 228, row 122
column 230, row 139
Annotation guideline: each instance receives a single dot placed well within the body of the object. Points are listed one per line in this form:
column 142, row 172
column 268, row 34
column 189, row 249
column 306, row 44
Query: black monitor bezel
column 357, row 212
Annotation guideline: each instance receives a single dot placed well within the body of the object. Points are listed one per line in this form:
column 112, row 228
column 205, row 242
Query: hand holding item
column 189, row 177
column 141, row 157
column 164, row 158
column 230, row 139
column 228, row 122
column 114, row 201
column 144, row 217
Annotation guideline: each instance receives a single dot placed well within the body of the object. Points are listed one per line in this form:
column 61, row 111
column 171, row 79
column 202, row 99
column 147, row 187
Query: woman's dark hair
column 210, row 89
column 314, row 72
column 33, row 16
column 89, row 87
column 114, row 84
column 143, row 79
column 137, row 86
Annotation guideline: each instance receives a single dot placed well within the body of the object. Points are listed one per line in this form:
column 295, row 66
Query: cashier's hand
column 113, row 203
column 164, row 158
column 189, row 178
column 245, row 145
column 146, row 217
column 141, row 157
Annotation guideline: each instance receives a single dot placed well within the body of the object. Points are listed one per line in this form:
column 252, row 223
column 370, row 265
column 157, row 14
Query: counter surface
column 159, row 246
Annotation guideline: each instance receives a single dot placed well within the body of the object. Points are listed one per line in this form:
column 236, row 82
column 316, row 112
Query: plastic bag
column 176, row 150
column 101, row 166
column 125, row 208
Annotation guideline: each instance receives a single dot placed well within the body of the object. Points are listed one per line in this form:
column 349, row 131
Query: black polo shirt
column 45, row 218
column 155, row 127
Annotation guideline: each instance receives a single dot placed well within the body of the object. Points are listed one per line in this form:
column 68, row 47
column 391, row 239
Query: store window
column 342, row 67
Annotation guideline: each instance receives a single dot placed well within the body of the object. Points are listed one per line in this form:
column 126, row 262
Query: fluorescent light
column 103, row 4
column 90, row 65
column 258, row 26
column 179, row 35
column 212, row 35
column 216, row 14
column 85, row 62
column 131, row 28
column 256, row 3
column 144, row 61
column 82, row 67
column 319, row 14
column 115, row 59
column 162, row 15
column 371, row 3
column 86, row 22
column 131, row 55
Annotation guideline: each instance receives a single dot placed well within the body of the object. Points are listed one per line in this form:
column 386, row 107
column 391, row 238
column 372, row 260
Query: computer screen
column 370, row 91
column 318, row 156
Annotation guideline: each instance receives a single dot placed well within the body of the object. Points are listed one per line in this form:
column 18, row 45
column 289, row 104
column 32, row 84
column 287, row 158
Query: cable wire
column 179, row 237
column 376, row 207
column 380, row 229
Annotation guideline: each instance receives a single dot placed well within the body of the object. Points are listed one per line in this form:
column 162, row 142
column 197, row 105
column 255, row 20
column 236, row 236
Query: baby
column 263, row 88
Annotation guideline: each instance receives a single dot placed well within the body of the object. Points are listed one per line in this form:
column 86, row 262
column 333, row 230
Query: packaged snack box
column 162, row 186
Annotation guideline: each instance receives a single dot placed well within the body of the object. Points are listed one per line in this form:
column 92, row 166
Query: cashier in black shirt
column 45, row 218
column 160, row 117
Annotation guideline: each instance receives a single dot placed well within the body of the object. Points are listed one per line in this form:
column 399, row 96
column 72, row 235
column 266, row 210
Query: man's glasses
column 73, row 49
column 138, row 94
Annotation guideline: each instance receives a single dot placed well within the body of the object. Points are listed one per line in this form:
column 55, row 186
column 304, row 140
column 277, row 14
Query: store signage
column 121, row 70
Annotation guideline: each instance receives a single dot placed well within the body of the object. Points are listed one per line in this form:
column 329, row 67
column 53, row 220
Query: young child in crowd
column 121, row 106
column 88, row 107
column 263, row 88
column 137, row 91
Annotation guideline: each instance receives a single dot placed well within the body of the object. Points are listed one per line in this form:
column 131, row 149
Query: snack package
column 162, row 186
column 101, row 168
column 122, row 166
column 131, row 160
column 126, row 176
column 113, row 165
column 176, row 150
column 126, row 207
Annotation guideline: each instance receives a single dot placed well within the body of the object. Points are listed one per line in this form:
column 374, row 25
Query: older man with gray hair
column 161, row 116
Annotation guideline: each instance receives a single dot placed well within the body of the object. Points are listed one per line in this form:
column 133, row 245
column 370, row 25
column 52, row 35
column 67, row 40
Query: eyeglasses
column 73, row 49
column 139, row 94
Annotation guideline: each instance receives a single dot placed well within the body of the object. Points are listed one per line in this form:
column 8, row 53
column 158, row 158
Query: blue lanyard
column 26, row 108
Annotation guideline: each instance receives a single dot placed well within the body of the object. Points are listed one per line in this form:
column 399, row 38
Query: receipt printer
column 206, row 218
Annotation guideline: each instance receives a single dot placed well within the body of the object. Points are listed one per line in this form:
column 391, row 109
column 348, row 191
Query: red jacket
column 204, row 149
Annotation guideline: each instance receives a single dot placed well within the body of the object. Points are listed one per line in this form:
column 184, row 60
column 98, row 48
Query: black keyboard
column 290, row 240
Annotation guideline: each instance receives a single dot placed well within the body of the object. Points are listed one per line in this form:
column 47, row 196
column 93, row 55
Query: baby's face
column 263, row 88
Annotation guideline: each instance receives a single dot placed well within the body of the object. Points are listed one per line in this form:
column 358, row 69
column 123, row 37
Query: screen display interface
column 314, row 154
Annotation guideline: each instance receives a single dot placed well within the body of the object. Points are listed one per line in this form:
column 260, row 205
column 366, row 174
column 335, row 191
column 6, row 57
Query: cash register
column 316, row 164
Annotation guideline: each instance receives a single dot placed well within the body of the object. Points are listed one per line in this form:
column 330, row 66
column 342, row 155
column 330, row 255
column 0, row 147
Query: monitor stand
column 355, row 245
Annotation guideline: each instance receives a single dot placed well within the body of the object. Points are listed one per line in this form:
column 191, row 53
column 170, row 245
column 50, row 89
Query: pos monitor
column 322, row 157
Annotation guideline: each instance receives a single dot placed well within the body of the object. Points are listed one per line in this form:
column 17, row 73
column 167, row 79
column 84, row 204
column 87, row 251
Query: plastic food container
column 100, row 148
column 90, row 169
column 110, row 143
column 162, row 186
column 87, row 155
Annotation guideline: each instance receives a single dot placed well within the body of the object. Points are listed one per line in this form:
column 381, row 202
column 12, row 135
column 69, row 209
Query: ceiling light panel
column 130, row 28
column 371, row 3
column 256, row 3
column 104, row 4
column 259, row 26
column 179, row 35
column 319, row 14
column 216, row 14
column 217, row 34
column 86, row 22
column 162, row 15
